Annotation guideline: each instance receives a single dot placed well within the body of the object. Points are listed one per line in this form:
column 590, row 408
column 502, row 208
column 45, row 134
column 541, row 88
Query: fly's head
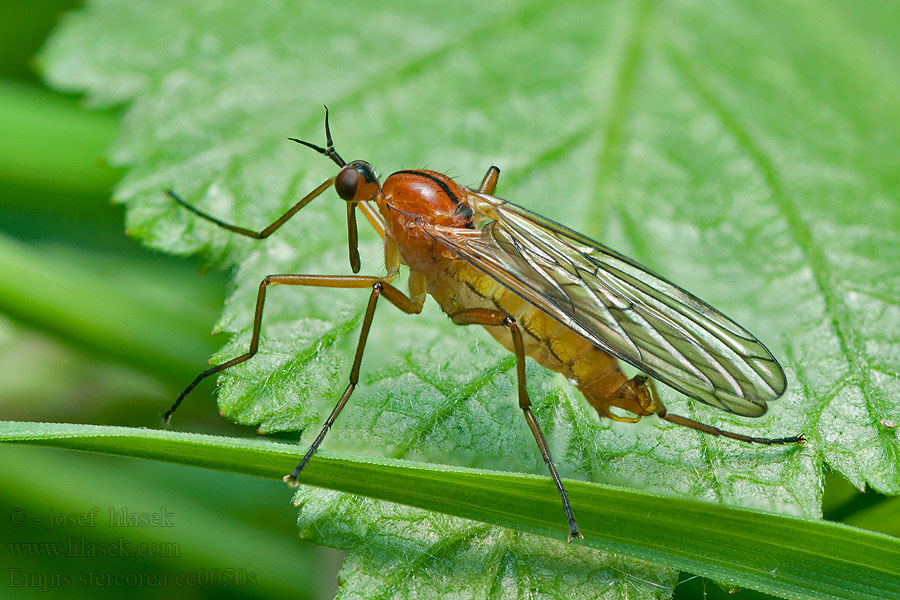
column 357, row 182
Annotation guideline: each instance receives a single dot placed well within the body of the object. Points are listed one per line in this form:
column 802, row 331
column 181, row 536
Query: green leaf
column 426, row 553
column 746, row 152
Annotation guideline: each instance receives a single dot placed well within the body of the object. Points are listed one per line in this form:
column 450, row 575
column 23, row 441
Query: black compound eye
column 346, row 183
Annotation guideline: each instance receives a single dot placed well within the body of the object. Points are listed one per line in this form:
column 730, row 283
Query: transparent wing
column 620, row 306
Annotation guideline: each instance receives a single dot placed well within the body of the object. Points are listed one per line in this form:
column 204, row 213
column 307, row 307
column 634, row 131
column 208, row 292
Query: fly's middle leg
column 379, row 288
column 484, row 316
column 398, row 299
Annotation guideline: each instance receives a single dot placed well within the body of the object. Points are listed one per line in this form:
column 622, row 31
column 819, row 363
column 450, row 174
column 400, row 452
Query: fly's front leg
column 264, row 233
column 352, row 237
column 483, row 316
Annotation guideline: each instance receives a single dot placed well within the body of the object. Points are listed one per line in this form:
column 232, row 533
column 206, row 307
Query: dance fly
column 541, row 290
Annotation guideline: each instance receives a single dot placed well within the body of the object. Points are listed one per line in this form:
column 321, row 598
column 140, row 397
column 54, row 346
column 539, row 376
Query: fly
column 541, row 290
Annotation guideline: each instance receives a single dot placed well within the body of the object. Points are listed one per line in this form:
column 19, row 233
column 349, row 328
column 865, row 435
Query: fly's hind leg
column 483, row 316
column 645, row 392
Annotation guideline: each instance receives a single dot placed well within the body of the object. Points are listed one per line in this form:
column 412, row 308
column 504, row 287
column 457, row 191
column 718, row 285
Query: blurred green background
column 105, row 356
column 60, row 237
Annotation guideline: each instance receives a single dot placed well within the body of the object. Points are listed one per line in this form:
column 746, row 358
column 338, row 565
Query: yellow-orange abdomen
column 458, row 286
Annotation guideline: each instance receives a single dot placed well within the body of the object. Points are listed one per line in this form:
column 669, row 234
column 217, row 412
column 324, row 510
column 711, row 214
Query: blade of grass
column 205, row 534
column 788, row 556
